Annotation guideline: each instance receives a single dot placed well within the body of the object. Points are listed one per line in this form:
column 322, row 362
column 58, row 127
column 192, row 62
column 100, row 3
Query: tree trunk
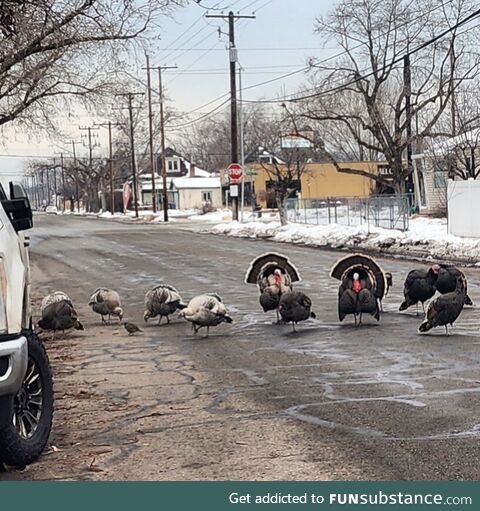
column 281, row 199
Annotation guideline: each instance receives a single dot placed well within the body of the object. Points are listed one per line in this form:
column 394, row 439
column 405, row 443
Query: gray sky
column 277, row 42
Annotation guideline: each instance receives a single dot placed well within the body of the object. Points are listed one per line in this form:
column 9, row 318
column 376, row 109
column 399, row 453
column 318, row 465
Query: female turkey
column 59, row 315
column 274, row 275
column 106, row 302
column 294, row 307
column 205, row 311
column 420, row 286
column 447, row 281
column 161, row 301
column 363, row 285
column 445, row 309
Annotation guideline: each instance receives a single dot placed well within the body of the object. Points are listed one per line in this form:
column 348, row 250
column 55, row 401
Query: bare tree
column 55, row 50
column 363, row 92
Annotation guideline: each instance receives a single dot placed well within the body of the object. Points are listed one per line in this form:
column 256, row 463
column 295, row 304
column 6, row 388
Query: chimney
column 192, row 169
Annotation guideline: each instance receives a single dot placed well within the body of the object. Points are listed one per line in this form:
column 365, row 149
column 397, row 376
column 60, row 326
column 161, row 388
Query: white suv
column 26, row 388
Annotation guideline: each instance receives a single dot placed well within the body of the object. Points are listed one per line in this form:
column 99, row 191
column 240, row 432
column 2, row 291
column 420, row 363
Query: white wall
column 464, row 208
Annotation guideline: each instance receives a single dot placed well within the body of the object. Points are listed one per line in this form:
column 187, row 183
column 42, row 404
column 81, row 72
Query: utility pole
column 90, row 145
column 63, row 180
column 452, row 89
column 233, row 90
column 407, row 83
column 55, row 180
column 162, row 142
column 109, row 125
column 76, row 176
column 129, row 96
column 150, row 130
column 242, row 150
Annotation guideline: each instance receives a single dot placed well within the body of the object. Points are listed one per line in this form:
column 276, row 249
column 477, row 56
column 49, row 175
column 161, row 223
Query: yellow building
column 318, row 180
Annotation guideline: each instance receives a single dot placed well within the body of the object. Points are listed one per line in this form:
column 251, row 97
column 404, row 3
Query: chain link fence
column 387, row 211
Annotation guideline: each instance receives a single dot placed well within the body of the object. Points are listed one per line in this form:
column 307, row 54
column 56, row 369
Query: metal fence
column 387, row 211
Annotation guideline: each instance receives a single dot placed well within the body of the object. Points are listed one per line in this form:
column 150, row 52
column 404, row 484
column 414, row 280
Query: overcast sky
column 277, row 42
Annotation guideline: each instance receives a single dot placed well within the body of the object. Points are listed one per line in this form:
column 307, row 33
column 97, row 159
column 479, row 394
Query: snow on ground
column 427, row 237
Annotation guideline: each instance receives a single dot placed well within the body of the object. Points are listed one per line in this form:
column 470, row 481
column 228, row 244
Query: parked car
column 26, row 388
column 52, row 210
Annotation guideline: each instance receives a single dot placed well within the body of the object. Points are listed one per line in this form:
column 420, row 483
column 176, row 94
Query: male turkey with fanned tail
column 420, row 286
column 363, row 285
column 274, row 276
column 445, row 309
column 162, row 300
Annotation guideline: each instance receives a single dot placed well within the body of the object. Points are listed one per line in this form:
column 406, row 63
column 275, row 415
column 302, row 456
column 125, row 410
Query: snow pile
column 427, row 237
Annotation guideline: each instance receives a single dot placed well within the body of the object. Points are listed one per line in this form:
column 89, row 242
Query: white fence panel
column 464, row 208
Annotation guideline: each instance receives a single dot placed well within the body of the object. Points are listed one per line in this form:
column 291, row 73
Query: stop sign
column 234, row 172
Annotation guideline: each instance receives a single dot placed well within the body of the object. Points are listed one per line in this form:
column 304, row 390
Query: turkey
column 205, row 311
column 363, row 284
column 106, row 302
column 445, row 309
column 274, row 275
column 294, row 307
column 161, row 301
column 59, row 315
column 420, row 286
column 447, row 281
column 56, row 296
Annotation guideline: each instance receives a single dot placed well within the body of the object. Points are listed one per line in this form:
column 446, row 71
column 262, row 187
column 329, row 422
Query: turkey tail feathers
column 258, row 265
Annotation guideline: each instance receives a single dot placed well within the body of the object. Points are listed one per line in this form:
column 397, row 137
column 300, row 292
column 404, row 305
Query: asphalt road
column 254, row 401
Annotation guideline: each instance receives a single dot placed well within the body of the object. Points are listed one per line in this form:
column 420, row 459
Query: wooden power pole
column 233, row 90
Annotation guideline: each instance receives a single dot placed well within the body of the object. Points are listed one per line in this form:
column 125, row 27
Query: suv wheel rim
column 28, row 403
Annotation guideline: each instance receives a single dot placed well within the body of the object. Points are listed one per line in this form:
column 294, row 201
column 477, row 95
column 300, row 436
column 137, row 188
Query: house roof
column 464, row 139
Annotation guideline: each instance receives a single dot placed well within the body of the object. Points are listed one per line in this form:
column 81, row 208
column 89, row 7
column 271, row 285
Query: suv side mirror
column 18, row 208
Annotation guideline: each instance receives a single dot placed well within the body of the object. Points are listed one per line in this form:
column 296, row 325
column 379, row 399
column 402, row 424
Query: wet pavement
column 255, row 400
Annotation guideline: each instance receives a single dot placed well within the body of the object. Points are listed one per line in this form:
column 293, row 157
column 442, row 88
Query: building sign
column 300, row 140
column 385, row 171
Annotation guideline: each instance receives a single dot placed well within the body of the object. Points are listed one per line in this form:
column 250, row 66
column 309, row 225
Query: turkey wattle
column 420, row 286
column 274, row 275
column 362, row 288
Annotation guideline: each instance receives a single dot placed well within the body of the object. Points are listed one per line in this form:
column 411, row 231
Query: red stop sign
column 234, row 172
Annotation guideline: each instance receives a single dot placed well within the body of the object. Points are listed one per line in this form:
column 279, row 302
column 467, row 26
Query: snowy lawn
column 427, row 237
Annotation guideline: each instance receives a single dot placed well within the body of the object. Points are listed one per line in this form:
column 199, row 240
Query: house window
column 207, row 196
column 439, row 181
column 173, row 165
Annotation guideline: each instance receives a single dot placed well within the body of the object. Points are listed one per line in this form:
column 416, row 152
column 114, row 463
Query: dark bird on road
column 445, row 309
column 205, row 311
column 106, row 302
column 447, row 281
column 294, row 307
column 363, row 284
column 131, row 328
column 59, row 315
column 420, row 286
column 274, row 276
column 161, row 301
